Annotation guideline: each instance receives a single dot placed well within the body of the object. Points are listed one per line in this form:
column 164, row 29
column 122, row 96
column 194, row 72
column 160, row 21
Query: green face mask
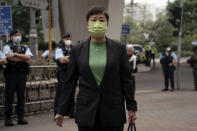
column 97, row 29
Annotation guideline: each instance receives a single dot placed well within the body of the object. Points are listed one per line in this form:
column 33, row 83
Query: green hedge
column 42, row 45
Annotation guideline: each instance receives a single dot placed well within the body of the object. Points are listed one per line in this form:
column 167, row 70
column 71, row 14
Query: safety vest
column 20, row 66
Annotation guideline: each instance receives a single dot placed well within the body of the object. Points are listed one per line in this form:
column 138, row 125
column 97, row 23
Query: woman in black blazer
column 102, row 67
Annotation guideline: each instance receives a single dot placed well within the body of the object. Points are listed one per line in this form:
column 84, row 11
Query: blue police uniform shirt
column 46, row 54
column 7, row 50
column 59, row 53
column 173, row 55
column 2, row 56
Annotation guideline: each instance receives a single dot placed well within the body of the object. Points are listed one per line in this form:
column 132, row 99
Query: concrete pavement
column 158, row 111
column 169, row 111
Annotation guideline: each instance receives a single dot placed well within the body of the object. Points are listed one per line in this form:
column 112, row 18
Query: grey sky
column 156, row 3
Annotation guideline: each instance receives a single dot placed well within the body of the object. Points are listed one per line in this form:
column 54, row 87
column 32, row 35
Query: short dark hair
column 97, row 10
column 67, row 35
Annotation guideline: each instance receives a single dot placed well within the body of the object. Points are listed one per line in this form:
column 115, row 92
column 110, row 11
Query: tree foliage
column 189, row 22
column 21, row 21
column 161, row 31
column 189, row 15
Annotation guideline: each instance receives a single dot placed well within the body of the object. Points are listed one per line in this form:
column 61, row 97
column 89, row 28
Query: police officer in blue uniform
column 15, row 73
column 62, row 57
column 168, row 61
column 45, row 54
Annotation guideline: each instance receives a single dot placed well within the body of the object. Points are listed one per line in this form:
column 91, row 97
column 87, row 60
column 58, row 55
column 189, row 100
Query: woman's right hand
column 132, row 116
column 59, row 119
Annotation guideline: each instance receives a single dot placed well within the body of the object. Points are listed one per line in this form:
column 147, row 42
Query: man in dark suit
column 102, row 67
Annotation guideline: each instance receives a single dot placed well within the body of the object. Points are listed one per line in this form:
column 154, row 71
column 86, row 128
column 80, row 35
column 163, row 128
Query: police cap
column 14, row 32
column 67, row 35
column 166, row 45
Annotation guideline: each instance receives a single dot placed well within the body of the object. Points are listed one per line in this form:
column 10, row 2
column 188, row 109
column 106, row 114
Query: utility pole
column 132, row 13
column 126, row 37
column 179, row 46
column 50, row 26
column 33, row 34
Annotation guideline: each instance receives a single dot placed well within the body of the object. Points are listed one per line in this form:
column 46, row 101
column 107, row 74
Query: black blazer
column 109, row 97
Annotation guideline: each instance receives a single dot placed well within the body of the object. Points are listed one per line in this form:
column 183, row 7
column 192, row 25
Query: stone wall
column 40, row 91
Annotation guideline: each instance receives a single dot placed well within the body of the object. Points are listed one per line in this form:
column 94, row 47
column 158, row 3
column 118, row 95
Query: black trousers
column 61, row 79
column 153, row 57
column 169, row 76
column 195, row 78
column 148, row 58
column 15, row 82
column 98, row 126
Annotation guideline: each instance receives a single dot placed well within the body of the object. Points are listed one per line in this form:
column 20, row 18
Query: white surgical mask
column 168, row 49
column 17, row 39
column 68, row 42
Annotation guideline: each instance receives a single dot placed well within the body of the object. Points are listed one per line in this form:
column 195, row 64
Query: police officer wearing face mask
column 168, row 61
column 62, row 57
column 17, row 68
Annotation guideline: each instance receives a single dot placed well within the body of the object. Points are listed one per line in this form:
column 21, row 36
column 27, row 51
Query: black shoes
column 8, row 122
column 165, row 89
column 22, row 121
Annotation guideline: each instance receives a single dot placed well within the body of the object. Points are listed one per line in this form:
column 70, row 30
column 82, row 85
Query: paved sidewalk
column 143, row 68
column 170, row 111
column 158, row 111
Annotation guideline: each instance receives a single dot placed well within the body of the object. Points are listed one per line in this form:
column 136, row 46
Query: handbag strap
column 132, row 127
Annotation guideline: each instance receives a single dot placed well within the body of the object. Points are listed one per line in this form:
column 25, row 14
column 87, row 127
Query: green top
column 154, row 50
column 98, row 60
column 147, row 48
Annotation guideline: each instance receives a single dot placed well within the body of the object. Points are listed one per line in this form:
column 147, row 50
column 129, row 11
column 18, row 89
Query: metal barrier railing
column 40, row 89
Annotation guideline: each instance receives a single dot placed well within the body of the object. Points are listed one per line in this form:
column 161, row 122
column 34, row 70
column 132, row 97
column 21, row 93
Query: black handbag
column 131, row 127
